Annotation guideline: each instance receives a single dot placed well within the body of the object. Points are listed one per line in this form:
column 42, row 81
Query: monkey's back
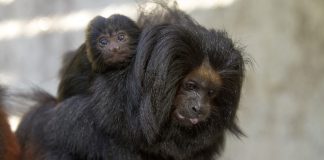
column 76, row 76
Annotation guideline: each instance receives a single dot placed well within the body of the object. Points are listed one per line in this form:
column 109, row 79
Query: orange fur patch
column 207, row 73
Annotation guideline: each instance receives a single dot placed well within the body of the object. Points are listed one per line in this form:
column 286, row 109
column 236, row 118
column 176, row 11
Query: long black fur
column 127, row 116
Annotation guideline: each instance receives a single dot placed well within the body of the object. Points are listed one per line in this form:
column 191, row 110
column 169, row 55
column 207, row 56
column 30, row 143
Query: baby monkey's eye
column 121, row 37
column 103, row 41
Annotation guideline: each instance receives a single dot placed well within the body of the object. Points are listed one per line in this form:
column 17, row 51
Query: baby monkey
column 110, row 44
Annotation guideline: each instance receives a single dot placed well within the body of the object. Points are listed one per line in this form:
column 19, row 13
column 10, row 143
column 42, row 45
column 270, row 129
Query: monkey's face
column 194, row 101
column 115, row 48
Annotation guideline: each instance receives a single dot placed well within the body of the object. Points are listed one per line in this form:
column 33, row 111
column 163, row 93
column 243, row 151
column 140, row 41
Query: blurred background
column 281, row 111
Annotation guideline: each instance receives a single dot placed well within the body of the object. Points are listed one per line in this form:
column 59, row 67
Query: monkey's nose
column 196, row 108
column 114, row 48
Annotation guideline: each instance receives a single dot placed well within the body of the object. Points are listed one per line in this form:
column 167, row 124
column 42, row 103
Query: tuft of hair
column 156, row 12
column 20, row 101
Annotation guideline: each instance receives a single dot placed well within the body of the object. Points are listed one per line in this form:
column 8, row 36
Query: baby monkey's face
column 115, row 48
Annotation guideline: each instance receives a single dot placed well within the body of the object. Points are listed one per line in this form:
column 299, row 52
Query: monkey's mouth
column 192, row 120
column 187, row 120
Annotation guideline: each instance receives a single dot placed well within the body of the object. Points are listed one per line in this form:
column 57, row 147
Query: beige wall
column 282, row 109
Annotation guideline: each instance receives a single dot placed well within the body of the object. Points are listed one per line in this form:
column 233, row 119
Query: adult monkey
column 141, row 112
column 9, row 149
column 205, row 77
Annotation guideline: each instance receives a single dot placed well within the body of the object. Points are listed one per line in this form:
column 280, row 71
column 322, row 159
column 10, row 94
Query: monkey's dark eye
column 121, row 37
column 190, row 85
column 103, row 41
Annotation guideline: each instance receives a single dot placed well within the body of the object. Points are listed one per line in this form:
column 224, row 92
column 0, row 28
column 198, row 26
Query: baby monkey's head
column 111, row 42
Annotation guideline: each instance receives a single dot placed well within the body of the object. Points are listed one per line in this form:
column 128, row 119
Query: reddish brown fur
column 206, row 73
column 9, row 148
column 30, row 153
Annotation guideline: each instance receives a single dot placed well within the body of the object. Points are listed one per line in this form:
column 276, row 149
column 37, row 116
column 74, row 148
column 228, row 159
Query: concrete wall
column 282, row 109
